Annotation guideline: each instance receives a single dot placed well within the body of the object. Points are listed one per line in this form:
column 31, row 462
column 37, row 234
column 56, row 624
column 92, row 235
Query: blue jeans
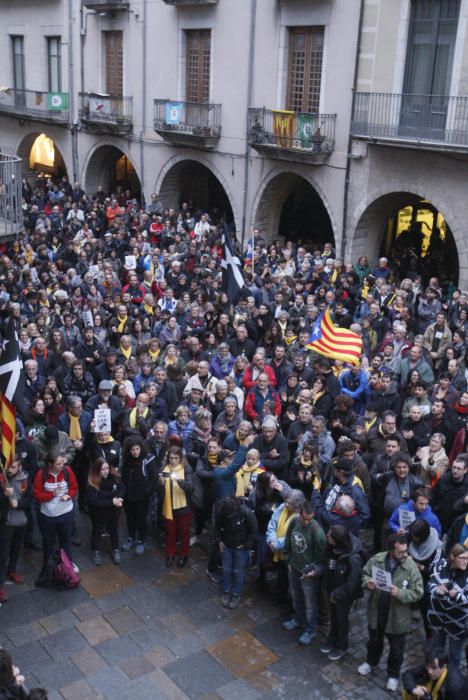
column 234, row 566
column 304, row 594
column 456, row 646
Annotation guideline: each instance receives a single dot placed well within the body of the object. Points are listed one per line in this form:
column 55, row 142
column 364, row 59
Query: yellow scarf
column 149, row 309
column 174, row 496
column 365, row 290
column 133, row 416
column 357, row 482
column 212, row 458
column 154, row 354
column 241, row 442
column 334, row 275
column 126, row 353
column 243, row 477
column 103, row 440
column 281, row 530
column 432, row 687
column 369, row 423
column 122, row 323
column 75, row 430
column 291, row 340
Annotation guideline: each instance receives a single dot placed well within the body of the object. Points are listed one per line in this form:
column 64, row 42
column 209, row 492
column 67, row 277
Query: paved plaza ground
column 141, row 632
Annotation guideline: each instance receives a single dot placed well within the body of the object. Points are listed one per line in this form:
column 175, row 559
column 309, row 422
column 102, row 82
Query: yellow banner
column 283, row 127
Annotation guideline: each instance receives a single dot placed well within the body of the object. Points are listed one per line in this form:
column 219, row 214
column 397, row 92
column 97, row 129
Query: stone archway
column 199, row 184
column 111, row 167
column 58, row 170
column 289, row 205
column 375, row 231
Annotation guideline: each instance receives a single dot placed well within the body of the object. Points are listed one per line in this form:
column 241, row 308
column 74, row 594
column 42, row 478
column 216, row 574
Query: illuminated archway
column 40, row 154
column 110, row 167
column 411, row 231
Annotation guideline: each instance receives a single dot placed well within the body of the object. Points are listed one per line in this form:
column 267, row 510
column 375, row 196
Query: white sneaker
column 392, row 684
column 193, row 540
column 364, row 669
column 75, row 568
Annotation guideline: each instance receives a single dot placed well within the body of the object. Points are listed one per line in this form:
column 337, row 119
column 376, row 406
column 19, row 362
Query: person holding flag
column 333, row 342
column 233, row 279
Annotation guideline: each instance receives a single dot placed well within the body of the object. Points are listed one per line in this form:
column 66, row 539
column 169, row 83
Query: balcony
column 11, row 216
column 36, row 105
column 106, row 114
column 429, row 122
column 292, row 136
column 188, row 123
column 106, row 5
column 188, row 3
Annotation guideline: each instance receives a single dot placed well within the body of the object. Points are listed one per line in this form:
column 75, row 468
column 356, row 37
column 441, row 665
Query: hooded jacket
column 343, row 577
column 427, row 515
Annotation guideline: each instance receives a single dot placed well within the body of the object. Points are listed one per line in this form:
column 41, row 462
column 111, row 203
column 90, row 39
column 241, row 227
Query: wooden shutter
column 113, row 59
column 304, row 69
column 198, row 66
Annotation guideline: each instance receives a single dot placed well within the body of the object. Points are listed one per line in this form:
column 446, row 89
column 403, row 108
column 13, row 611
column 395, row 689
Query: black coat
column 139, row 477
column 237, row 530
column 100, row 500
column 447, row 499
column 278, row 465
column 454, row 687
column 344, row 572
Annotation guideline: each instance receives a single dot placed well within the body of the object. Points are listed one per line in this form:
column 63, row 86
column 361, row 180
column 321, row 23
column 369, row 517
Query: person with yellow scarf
column 248, row 473
column 434, row 680
column 176, row 485
column 275, row 536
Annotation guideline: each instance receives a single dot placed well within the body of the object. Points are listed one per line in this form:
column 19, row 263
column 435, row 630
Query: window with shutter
column 17, row 43
column 113, row 63
column 198, row 65
column 54, row 63
column 305, row 69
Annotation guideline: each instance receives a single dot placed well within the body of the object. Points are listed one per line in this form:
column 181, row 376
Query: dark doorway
column 304, row 217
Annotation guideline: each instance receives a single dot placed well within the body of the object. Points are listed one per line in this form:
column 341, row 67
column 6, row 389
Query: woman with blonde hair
column 433, row 460
column 176, row 486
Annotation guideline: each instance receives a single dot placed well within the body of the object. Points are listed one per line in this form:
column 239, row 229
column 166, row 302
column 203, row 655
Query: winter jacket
column 454, row 687
column 446, row 613
column 139, row 477
column 305, row 545
column 224, row 478
column 407, row 578
column 456, row 533
column 351, row 488
column 264, row 508
column 277, row 465
column 45, row 485
column 344, row 572
column 64, row 446
column 427, row 515
column 325, row 448
column 447, row 499
column 100, row 500
column 238, row 531
column 248, row 381
column 255, row 403
column 22, row 487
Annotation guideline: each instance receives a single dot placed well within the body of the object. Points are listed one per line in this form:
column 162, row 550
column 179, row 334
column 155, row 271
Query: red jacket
column 255, row 401
column 43, row 495
column 249, row 383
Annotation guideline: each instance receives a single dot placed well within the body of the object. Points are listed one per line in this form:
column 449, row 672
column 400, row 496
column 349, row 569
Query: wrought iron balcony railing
column 186, row 3
column 292, row 133
column 34, row 104
column 11, row 216
column 106, row 112
column 106, row 5
column 423, row 120
column 188, row 122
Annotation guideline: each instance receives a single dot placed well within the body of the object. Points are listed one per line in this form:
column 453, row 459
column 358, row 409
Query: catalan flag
column 336, row 343
column 11, row 391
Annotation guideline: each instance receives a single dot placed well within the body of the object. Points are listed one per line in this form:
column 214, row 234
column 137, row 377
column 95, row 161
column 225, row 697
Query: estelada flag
column 283, row 127
column 11, row 390
column 336, row 343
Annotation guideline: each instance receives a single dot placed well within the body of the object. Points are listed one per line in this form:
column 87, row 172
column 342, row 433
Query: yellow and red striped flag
column 336, row 343
column 11, row 390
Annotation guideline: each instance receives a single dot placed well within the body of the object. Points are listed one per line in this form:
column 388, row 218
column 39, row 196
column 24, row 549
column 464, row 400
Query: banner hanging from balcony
column 283, row 127
column 99, row 105
column 305, row 127
column 174, row 112
column 57, row 101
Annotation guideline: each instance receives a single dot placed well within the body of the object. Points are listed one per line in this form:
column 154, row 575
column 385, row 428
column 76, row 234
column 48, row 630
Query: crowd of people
column 224, row 426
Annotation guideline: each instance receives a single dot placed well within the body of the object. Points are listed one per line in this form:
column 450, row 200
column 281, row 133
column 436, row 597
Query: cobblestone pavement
column 139, row 631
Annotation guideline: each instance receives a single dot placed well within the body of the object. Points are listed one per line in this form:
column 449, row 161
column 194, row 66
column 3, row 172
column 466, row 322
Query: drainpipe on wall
column 349, row 150
column 253, row 15
column 143, row 104
column 71, row 93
